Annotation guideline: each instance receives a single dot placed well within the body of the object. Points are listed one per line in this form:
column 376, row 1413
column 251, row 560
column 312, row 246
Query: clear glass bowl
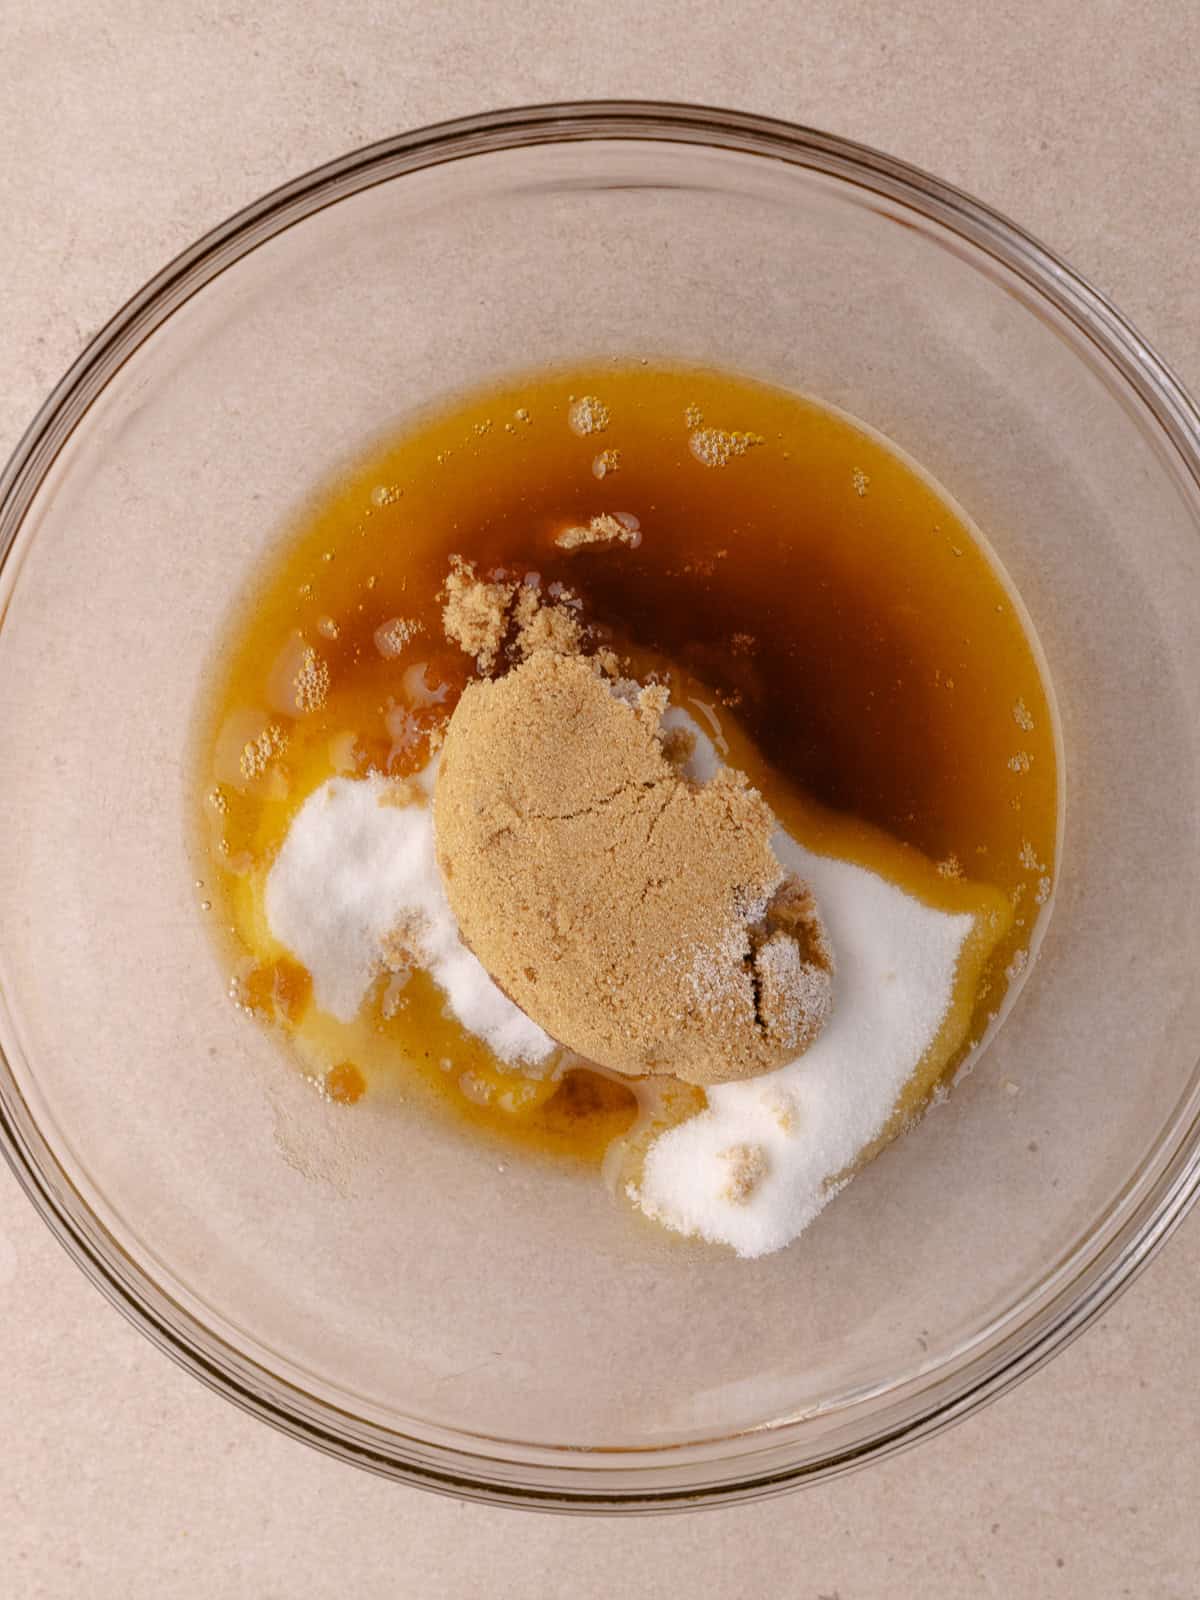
column 375, row 1287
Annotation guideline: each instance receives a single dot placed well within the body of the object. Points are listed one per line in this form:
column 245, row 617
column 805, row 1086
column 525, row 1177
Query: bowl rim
column 1138, row 1221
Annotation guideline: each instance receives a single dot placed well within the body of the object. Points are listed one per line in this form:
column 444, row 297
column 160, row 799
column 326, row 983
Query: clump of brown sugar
column 542, row 625
column 641, row 918
column 747, row 1166
column 602, row 529
column 484, row 616
column 475, row 615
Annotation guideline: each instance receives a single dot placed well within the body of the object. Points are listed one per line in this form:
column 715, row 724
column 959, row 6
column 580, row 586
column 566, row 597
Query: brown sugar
column 602, row 529
column 553, row 627
column 641, row 918
column 748, row 1166
column 481, row 616
column 475, row 616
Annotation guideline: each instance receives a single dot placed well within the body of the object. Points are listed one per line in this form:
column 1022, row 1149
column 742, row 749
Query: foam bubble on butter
column 809, row 1121
column 353, row 865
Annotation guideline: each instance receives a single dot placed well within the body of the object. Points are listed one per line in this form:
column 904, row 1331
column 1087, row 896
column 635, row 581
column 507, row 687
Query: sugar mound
column 355, row 867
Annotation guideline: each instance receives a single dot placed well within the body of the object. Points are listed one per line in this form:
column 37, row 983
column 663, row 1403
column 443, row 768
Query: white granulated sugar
column 896, row 961
column 354, row 867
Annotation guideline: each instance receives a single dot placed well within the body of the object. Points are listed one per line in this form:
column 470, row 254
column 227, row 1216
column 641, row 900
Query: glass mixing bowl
column 375, row 1286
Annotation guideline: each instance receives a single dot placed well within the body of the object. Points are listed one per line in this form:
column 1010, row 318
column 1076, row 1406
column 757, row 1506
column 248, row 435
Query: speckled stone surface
column 128, row 129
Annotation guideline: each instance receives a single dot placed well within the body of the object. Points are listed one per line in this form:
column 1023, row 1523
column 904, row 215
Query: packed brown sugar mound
column 640, row 918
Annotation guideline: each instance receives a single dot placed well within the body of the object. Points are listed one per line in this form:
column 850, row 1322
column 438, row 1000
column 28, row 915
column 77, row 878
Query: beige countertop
column 129, row 128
